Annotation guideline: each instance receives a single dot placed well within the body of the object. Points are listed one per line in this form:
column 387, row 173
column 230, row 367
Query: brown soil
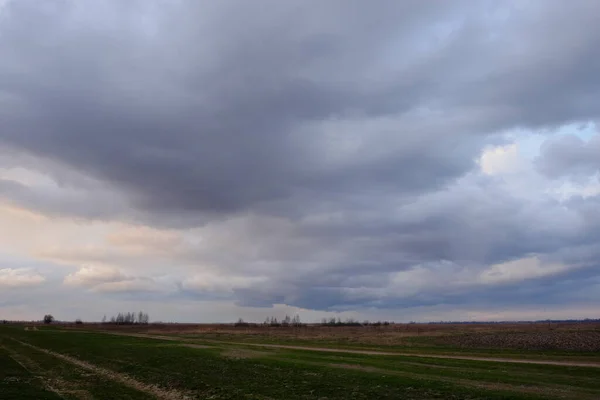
column 536, row 335
column 576, row 341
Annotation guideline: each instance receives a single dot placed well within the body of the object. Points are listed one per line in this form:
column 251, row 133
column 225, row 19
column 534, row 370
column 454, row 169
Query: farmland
column 223, row 362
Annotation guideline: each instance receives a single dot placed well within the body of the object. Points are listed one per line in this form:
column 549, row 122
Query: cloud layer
column 19, row 277
column 346, row 156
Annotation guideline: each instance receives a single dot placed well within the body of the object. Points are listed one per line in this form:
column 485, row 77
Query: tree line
column 295, row 322
column 351, row 322
column 128, row 318
column 273, row 321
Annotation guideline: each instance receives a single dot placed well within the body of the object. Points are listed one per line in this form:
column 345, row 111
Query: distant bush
column 48, row 319
column 78, row 322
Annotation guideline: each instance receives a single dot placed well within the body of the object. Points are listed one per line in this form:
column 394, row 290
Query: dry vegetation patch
column 567, row 336
column 243, row 353
column 578, row 341
column 197, row 346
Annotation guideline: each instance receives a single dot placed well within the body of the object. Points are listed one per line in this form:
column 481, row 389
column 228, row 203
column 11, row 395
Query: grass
column 228, row 371
column 416, row 345
column 42, row 376
column 18, row 383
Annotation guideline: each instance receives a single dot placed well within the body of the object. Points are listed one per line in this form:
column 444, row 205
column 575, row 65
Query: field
column 521, row 361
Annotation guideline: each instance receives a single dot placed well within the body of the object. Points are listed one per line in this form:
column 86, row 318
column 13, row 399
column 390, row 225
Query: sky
column 383, row 160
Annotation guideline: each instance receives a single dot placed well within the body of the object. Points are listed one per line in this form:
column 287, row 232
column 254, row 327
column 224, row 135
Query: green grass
column 18, row 383
column 414, row 345
column 37, row 375
column 540, row 376
column 227, row 371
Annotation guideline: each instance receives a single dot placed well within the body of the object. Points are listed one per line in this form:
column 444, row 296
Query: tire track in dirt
column 150, row 389
column 55, row 385
column 372, row 352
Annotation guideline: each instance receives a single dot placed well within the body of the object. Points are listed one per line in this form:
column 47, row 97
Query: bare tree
column 145, row 318
column 296, row 321
column 130, row 318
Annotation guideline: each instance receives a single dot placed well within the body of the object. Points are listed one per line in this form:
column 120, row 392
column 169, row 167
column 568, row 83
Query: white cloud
column 90, row 276
column 501, row 160
column 583, row 187
column 520, row 270
column 19, row 277
column 110, row 279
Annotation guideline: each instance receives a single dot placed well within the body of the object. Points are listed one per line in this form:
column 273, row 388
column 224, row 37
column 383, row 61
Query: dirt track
column 375, row 352
column 152, row 390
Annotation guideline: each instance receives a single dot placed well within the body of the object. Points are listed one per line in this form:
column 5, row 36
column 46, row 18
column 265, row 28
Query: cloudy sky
column 204, row 161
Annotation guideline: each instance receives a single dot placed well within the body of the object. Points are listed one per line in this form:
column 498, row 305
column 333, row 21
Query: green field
column 51, row 363
column 416, row 345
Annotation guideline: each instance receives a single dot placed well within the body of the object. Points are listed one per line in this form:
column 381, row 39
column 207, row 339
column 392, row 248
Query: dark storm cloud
column 213, row 117
column 184, row 119
column 356, row 120
column 216, row 108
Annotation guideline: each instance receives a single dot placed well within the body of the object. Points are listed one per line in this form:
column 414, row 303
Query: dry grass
column 580, row 341
column 536, row 336
column 243, row 353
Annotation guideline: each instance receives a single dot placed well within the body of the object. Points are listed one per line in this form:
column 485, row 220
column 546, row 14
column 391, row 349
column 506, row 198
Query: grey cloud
column 181, row 121
column 213, row 117
column 542, row 70
column 346, row 133
column 471, row 225
column 544, row 292
column 570, row 155
column 87, row 204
